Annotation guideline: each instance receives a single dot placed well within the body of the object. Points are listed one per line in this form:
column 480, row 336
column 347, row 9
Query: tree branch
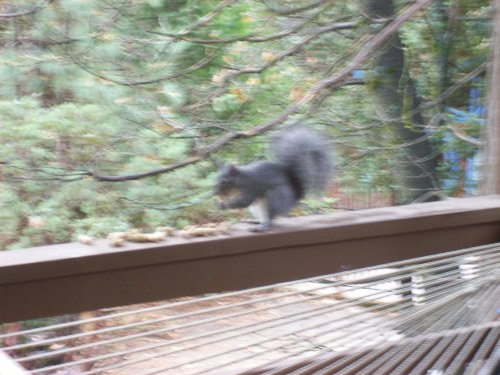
column 21, row 13
column 460, row 135
column 259, row 69
column 252, row 36
column 207, row 17
column 373, row 45
column 198, row 65
column 359, row 58
column 286, row 11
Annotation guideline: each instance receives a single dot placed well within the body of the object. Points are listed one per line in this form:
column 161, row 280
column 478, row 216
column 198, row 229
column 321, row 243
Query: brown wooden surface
column 68, row 278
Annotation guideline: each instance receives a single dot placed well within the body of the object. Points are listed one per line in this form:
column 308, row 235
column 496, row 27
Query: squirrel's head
column 227, row 180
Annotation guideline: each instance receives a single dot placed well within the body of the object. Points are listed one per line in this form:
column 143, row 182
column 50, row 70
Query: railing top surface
column 289, row 232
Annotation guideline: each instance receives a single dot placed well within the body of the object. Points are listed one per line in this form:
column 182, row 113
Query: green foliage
column 41, row 145
column 120, row 88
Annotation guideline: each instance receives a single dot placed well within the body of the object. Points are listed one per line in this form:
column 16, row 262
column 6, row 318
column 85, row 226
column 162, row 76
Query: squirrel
column 273, row 188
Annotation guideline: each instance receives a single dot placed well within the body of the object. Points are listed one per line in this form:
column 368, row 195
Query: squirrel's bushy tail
column 307, row 155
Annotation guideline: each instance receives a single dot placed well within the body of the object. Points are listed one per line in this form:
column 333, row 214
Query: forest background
column 114, row 112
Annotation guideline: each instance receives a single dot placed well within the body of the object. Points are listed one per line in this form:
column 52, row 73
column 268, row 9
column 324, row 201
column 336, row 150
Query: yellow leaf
column 106, row 37
column 310, row 80
column 164, row 110
column 124, row 100
column 157, row 65
column 268, row 56
column 104, row 82
column 238, row 48
column 295, row 94
column 273, row 77
column 253, row 81
column 220, row 76
column 241, row 99
column 164, row 127
column 312, row 60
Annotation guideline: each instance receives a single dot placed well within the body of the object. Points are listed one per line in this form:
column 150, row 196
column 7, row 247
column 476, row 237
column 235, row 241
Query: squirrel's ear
column 232, row 169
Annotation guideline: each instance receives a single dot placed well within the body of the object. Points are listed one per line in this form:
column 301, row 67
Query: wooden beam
column 69, row 278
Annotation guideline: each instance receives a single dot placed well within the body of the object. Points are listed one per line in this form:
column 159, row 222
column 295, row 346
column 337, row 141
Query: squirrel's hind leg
column 260, row 211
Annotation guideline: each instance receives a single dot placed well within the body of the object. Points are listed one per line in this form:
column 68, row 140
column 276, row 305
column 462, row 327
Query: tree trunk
column 396, row 94
column 491, row 170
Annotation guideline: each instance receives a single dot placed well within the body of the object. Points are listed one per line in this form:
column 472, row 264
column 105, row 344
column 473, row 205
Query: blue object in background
column 358, row 73
column 474, row 113
column 475, row 106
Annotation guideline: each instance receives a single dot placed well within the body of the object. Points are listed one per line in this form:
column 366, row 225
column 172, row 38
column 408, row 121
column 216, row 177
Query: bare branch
column 331, row 82
column 359, row 58
column 460, row 135
column 481, row 69
column 26, row 12
column 155, row 172
column 257, row 70
column 207, row 17
column 286, row 11
column 198, row 65
column 252, row 36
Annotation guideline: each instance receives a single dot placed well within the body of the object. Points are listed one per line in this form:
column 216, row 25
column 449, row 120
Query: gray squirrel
column 273, row 188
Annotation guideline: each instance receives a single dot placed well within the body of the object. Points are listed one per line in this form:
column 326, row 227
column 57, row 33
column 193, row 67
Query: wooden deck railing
column 69, row 278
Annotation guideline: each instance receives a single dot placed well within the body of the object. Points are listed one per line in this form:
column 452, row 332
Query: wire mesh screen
column 432, row 315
